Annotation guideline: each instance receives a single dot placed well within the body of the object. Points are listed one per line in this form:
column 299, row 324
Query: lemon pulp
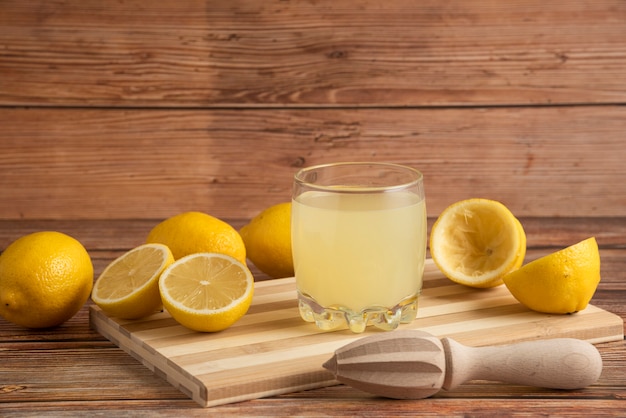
column 475, row 242
column 207, row 291
column 129, row 286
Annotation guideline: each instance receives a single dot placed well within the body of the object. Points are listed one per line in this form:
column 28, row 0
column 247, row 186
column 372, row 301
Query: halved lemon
column 129, row 286
column 207, row 292
column 558, row 283
column 475, row 242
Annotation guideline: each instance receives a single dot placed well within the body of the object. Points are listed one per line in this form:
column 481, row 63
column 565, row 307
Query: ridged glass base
column 338, row 316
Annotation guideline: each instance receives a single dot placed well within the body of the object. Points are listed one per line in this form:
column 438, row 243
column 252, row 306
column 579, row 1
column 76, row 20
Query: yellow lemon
column 197, row 232
column 129, row 286
column 207, row 292
column 268, row 241
column 558, row 283
column 45, row 278
column 475, row 242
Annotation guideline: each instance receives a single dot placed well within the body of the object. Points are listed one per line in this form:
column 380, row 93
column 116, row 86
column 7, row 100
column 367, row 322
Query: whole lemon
column 268, row 240
column 45, row 278
column 197, row 232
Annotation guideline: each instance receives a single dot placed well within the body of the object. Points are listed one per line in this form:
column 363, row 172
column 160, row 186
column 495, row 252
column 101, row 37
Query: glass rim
column 417, row 177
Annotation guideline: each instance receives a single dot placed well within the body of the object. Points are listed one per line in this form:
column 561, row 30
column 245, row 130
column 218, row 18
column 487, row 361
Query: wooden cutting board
column 271, row 350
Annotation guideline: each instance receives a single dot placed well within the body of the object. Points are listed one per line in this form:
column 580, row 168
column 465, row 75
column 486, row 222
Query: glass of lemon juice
column 359, row 243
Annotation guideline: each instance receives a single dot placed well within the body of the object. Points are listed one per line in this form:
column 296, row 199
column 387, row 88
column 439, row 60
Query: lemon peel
column 267, row 238
column 195, row 232
column 558, row 283
column 475, row 242
column 45, row 279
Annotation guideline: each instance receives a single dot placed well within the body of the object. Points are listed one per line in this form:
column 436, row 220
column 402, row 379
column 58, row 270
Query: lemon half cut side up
column 129, row 286
column 207, row 292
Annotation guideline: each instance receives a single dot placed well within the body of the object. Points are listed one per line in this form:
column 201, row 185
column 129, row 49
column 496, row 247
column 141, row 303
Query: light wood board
column 272, row 351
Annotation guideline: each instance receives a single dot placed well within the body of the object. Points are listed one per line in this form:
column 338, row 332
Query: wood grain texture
column 518, row 100
column 299, row 53
column 108, row 163
column 272, row 351
column 73, row 370
column 413, row 364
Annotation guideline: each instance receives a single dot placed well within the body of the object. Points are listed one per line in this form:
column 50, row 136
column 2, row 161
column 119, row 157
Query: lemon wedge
column 207, row 292
column 475, row 242
column 558, row 283
column 129, row 286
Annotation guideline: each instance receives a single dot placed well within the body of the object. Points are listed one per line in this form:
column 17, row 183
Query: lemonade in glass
column 359, row 244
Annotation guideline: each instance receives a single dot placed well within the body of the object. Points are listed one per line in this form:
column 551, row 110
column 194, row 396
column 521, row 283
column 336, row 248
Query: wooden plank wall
column 139, row 109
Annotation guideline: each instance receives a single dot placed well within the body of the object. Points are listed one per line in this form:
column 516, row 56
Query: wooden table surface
column 72, row 369
column 115, row 115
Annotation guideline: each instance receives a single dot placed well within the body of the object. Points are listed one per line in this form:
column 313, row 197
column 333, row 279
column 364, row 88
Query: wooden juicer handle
column 411, row 364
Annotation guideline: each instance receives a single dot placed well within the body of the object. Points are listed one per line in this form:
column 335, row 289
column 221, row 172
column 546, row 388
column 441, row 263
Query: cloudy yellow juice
column 354, row 251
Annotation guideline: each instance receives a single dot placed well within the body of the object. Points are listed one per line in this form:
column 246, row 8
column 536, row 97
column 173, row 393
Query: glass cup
column 358, row 235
